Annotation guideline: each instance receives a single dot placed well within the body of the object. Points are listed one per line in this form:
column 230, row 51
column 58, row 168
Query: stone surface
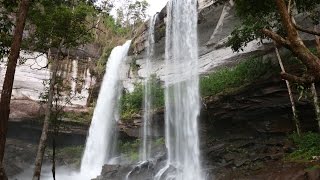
column 33, row 73
column 216, row 22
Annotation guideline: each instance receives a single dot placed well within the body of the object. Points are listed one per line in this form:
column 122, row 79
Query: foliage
column 132, row 103
column 132, row 12
column 59, row 21
column 70, row 155
column 212, row 84
column 79, row 117
column 6, row 25
column 108, row 35
column 256, row 15
column 134, row 66
column 308, row 145
column 227, row 78
column 102, row 62
column 130, row 149
column 5, row 37
column 160, row 141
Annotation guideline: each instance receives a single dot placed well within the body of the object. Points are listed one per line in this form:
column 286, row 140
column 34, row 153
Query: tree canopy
column 274, row 19
column 258, row 15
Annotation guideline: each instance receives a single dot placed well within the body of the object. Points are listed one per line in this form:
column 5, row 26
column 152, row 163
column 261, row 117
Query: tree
column 9, row 77
column 6, row 25
column 132, row 12
column 271, row 19
column 293, row 106
column 58, row 25
column 274, row 19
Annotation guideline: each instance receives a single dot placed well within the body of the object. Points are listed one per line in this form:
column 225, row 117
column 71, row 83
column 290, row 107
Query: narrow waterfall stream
column 145, row 151
column 145, row 148
column 182, row 96
column 74, row 77
column 100, row 139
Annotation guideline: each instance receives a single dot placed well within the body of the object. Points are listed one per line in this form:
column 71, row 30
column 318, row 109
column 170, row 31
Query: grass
column 79, row 117
column 235, row 77
column 311, row 168
column 308, row 146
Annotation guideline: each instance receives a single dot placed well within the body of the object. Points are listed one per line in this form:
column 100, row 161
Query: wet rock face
column 143, row 171
column 214, row 26
column 132, row 127
column 244, row 135
column 260, row 108
column 246, row 132
column 33, row 72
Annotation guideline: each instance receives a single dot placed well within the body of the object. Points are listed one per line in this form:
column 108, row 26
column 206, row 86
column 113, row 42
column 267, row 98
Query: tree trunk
column 45, row 128
column 53, row 170
column 9, row 77
column 293, row 106
column 295, row 44
column 313, row 86
column 317, row 42
column 3, row 175
column 316, row 103
column 90, row 90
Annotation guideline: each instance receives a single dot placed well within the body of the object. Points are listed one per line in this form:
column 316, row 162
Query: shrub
column 132, row 103
column 79, row 117
column 130, row 149
column 227, row 78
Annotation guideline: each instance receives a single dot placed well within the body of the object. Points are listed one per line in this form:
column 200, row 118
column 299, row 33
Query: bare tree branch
column 300, row 80
column 317, row 33
column 276, row 37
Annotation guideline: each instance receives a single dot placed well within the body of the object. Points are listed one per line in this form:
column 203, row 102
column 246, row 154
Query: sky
column 156, row 6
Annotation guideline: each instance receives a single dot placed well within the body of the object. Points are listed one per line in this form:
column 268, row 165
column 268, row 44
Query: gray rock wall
column 215, row 25
column 216, row 22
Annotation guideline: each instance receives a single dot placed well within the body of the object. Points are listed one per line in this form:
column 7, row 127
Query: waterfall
column 182, row 96
column 145, row 151
column 74, row 78
column 103, row 126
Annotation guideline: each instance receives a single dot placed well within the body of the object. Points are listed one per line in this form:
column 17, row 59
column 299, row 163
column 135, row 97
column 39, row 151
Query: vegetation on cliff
column 220, row 81
column 235, row 77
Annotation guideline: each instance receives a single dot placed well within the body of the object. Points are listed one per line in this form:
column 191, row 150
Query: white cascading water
column 74, row 76
column 182, row 96
column 103, row 126
column 145, row 150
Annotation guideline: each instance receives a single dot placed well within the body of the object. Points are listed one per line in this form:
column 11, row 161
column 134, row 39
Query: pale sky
column 156, row 6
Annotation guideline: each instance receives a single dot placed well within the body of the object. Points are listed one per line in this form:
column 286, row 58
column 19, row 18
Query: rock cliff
column 215, row 24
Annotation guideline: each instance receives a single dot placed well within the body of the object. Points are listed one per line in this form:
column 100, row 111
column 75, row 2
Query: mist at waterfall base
column 101, row 137
column 182, row 97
